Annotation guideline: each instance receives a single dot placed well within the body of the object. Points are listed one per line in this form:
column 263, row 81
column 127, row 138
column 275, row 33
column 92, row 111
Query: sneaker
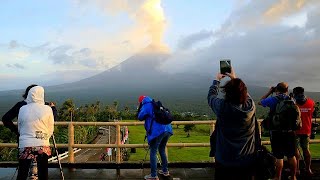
column 149, row 177
column 164, row 173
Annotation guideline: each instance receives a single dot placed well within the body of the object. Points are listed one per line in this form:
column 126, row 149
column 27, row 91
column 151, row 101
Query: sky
column 61, row 41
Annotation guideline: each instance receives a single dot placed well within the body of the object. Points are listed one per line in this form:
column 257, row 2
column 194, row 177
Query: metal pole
column 109, row 143
column 118, row 155
column 57, row 154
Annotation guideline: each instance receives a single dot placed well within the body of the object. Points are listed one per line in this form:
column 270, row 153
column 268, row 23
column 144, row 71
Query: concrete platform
column 176, row 173
column 131, row 174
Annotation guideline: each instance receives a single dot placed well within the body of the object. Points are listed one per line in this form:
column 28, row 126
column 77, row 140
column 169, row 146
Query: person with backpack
column 235, row 151
column 280, row 124
column 35, row 127
column 306, row 106
column 157, row 133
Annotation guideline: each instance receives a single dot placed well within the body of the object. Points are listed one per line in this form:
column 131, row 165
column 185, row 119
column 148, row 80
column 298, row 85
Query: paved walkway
column 111, row 174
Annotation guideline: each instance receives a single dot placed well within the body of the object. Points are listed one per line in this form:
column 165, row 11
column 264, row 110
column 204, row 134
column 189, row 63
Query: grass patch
column 201, row 134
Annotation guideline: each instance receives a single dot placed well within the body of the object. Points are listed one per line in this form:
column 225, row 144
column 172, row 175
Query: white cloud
column 263, row 53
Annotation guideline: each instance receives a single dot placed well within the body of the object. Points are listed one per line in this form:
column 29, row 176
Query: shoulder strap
column 258, row 142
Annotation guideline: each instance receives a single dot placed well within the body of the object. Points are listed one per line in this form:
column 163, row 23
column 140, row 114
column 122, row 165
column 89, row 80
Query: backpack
column 286, row 116
column 162, row 114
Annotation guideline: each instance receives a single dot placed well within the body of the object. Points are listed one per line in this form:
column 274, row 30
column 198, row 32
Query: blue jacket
column 146, row 113
column 235, row 143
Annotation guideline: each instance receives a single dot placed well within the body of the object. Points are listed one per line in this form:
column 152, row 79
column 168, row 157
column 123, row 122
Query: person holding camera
column 9, row 116
column 157, row 135
column 282, row 141
column 306, row 106
column 35, row 127
column 235, row 128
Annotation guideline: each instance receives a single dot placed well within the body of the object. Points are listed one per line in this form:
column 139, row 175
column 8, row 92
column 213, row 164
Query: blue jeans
column 159, row 143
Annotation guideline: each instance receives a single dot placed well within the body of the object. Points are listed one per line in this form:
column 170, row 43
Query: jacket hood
column 248, row 107
column 146, row 99
column 36, row 95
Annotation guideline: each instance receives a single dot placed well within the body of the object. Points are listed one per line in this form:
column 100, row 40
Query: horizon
column 267, row 42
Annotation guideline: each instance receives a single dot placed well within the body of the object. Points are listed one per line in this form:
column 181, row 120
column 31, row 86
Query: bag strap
column 258, row 142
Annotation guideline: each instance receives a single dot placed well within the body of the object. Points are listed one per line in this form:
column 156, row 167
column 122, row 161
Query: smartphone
column 225, row 66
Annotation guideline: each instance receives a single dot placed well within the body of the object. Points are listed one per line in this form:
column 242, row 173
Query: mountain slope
column 138, row 75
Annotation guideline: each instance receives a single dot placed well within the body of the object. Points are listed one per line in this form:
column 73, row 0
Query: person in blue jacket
column 157, row 135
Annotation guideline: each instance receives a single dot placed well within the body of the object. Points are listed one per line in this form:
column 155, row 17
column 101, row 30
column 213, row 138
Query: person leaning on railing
column 235, row 126
column 157, row 135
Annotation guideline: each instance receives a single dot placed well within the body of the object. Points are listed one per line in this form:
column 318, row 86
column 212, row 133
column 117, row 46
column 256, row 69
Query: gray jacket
column 235, row 144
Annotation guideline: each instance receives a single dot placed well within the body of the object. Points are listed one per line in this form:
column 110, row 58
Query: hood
column 36, row 95
column 146, row 99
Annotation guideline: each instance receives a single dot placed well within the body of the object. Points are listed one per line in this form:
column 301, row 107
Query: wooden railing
column 71, row 145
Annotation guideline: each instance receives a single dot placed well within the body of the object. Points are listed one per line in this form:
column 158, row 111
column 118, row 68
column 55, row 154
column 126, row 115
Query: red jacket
column 306, row 117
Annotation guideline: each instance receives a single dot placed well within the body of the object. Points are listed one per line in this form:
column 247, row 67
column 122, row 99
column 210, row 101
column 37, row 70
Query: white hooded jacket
column 35, row 120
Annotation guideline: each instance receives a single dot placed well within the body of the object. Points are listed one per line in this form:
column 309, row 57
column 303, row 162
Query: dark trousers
column 42, row 164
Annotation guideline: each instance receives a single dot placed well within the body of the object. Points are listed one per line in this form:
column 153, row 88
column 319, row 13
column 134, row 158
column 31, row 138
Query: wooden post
column 118, row 155
column 70, row 143
column 213, row 125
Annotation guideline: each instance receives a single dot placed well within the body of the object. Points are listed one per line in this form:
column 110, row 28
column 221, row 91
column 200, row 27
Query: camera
column 273, row 89
column 314, row 127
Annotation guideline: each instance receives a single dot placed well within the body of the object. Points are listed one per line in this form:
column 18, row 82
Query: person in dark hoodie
column 306, row 106
column 12, row 114
column 157, row 135
column 235, row 139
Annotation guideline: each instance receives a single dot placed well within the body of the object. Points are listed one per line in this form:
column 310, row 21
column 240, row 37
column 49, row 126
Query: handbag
column 265, row 161
column 213, row 142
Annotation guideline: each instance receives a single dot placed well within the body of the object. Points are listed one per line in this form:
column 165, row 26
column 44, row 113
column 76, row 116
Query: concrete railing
column 71, row 145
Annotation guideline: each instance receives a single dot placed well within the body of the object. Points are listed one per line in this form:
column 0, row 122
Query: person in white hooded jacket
column 35, row 126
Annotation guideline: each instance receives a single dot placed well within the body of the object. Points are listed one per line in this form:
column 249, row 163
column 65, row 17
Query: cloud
column 148, row 15
column 189, row 41
column 13, row 44
column 69, row 55
column 262, row 54
column 15, row 66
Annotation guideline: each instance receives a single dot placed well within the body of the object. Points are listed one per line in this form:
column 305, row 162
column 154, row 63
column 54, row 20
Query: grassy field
column 186, row 154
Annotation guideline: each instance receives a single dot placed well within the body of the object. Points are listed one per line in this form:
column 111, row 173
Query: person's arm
column 262, row 99
column 8, row 118
column 54, row 111
column 213, row 100
column 146, row 110
column 142, row 113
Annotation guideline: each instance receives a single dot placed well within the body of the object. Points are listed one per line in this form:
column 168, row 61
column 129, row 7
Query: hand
column 51, row 104
column 232, row 74
column 271, row 90
column 220, row 76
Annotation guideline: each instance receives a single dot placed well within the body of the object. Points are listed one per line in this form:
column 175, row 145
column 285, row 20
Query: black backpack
column 286, row 116
column 162, row 114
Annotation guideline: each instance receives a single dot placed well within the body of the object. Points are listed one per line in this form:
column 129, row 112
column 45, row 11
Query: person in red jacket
column 306, row 106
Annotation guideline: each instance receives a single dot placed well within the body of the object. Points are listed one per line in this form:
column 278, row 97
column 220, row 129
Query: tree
column 66, row 111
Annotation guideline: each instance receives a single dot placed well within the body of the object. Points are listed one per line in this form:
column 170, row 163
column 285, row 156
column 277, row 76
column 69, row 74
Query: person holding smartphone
column 235, row 128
